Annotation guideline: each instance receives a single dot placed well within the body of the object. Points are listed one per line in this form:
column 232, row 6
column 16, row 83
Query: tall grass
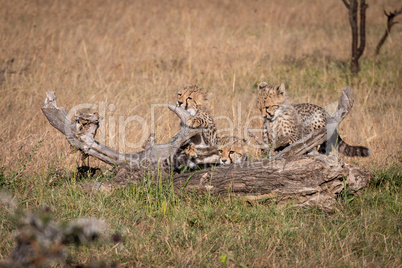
column 128, row 56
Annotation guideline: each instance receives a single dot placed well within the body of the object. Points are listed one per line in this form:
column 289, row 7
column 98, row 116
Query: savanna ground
column 123, row 57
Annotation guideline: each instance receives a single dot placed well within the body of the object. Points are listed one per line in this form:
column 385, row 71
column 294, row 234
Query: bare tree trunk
column 390, row 23
column 358, row 36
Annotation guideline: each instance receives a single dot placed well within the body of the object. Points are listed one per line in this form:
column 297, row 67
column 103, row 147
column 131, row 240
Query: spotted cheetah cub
column 186, row 157
column 194, row 100
column 315, row 117
column 232, row 150
column 201, row 150
column 282, row 123
column 311, row 117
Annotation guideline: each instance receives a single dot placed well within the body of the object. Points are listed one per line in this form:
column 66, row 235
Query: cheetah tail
column 349, row 150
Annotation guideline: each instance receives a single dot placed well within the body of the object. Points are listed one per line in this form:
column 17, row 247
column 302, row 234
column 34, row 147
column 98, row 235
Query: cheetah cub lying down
column 185, row 157
column 232, row 150
column 285, row 123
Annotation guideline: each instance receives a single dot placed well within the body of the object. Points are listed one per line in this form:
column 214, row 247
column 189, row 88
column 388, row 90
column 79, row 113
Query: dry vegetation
column 128, row 55
column 139, row 54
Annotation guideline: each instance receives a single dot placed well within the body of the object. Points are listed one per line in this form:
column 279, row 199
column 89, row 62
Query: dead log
column 288, row 175
column 304, row 180
column 81, row 135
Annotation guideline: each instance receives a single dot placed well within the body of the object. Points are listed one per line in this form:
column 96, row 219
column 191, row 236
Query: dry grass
column 133, row 55
column 125, row 56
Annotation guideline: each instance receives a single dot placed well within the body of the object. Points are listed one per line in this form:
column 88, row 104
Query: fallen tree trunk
column 81, row 135
column 307, row 180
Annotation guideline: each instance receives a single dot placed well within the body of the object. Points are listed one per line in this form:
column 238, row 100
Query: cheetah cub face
column 270, row 100
column 232, row 150
column 192, row 99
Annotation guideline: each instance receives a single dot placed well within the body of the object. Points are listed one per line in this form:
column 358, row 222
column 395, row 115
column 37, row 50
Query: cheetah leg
column 195, row 122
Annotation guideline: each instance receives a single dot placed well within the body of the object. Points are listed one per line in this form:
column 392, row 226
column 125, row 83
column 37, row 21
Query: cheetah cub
column 232, row 150
column 194, row 100
column 201, row 149
column 282, row 123
column 315, row 117
column 310, row 117
column 186, row 157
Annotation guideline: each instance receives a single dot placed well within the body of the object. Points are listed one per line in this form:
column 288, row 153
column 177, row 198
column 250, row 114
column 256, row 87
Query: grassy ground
column 124, row 57
column 162, row 228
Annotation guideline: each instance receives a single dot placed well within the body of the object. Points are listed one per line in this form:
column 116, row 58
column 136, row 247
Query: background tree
column 390, row 23
column 358, row 36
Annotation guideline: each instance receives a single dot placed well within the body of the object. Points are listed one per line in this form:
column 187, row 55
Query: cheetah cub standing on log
column 273, row 100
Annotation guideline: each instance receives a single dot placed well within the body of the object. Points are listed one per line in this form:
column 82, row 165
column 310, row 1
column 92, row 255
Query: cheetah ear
column 281, row 89
column 262, row 85
column 208, row 96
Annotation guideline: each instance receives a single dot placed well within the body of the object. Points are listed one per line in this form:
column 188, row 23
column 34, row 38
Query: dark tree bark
column 390, row 22
column 358, row 35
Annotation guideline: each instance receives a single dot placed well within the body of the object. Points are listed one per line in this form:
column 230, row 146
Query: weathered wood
column 81, row 135
column 307, row 180
column 288, row 175
column 258, row 140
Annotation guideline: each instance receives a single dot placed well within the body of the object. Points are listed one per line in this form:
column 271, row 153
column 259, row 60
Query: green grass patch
column 160, row 227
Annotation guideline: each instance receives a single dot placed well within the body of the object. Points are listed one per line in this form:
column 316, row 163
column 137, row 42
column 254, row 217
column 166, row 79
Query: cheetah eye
column 220, row 151
column 266, row 107
column 231, row 152
column 189, row 98
column 179, row 94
